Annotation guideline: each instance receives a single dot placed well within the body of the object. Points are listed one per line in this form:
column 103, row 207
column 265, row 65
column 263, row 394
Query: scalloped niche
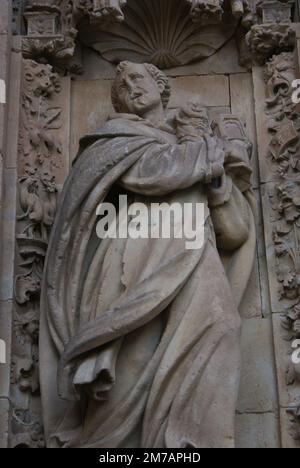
column 159, row 32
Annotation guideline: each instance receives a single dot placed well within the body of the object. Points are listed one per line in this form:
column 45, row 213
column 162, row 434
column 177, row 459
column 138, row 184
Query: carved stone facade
column 284, row 127
column 57, row 62
column 39, row 157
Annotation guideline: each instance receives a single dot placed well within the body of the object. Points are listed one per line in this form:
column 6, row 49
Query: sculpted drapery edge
column 142, row 337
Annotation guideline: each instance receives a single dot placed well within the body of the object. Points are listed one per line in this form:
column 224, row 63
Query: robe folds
column 140, row 339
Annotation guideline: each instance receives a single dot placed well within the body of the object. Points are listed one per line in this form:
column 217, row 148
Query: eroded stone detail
column 27, row 431
column 284, row 126
column 40, row 157
column 51, row 31
column 210, row 11
column 272, row 34
column 267, row 40
column 52, row 28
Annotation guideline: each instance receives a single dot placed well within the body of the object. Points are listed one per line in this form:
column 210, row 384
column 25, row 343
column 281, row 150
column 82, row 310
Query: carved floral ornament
column 40, row 156
column 284, row 129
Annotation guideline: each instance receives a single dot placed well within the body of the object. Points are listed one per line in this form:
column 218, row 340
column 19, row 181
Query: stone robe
column 140, row 339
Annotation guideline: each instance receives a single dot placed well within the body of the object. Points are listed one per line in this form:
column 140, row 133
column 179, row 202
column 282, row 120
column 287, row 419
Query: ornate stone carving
column 51, row 31
column 110, row 11
column 295, row 422
column 211, row 11
column 110, row 26
column 40, row 150
column 27, row 431
column 25, row 373
column 159, row 32
column 284, row 126
column 274, row 35
column 206, row 12
column 52, row 27
column 267, row 40
column 40, row 157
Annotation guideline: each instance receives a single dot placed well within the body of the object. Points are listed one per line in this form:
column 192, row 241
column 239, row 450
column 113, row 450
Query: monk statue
column 140, row 338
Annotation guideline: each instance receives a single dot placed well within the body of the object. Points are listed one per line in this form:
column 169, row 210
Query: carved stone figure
column 140, row 339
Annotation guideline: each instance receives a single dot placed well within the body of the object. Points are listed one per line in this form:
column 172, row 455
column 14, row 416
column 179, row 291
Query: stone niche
column 235, row 57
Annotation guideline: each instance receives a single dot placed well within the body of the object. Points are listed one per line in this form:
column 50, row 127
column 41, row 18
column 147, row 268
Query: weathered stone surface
column 288, row 385
column 257, row 431
column 6, row 330
column 6, row 251
column 286, row 429
column 224, row 61
column 251, row 305
column 5, row 17
column 242, row 104
column 13, row 117
column 258, row 383
column 276, row 272
column 8, row 234
column 4, row 55
column 266, row 170
column 261, row 257
column 215, row 112
column 158, row 39
column 90, row 108
column 209, row 90
column 4, row 70
column 4, row 418
column 45, row 105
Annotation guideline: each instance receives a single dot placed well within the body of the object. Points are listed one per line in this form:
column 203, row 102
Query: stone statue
column 140, row 339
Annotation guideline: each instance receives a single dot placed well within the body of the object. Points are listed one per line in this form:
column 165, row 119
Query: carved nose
column 135, row 94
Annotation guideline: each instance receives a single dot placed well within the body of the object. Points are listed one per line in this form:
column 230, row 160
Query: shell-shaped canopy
column 159, row 32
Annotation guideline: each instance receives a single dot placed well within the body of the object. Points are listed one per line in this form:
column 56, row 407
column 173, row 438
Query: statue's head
column 139, row 88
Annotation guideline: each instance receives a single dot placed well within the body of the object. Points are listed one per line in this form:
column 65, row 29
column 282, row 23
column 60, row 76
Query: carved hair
column 156, row 74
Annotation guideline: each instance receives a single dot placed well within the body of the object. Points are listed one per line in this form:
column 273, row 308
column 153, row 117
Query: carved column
column 7, row 214
column 278, row 131
column 43, row 163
